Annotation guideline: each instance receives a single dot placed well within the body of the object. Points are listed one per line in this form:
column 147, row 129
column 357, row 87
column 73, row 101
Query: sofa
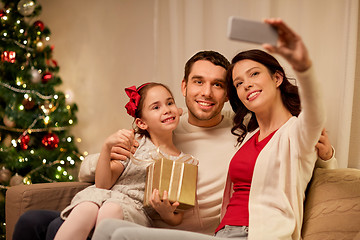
column 332, row 206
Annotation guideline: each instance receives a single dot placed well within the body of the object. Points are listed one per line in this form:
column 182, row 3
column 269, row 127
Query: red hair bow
column 133, row 103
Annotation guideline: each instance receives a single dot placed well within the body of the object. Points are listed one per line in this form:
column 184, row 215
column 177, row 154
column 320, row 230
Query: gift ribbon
column 157, row 155
column 180, row 181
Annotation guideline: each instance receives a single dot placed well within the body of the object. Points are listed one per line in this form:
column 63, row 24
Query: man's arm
column 88, row 166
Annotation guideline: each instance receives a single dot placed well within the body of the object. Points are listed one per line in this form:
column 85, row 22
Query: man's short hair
column 211, row 56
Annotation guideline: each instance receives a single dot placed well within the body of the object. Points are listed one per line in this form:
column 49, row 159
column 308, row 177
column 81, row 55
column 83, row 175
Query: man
column 203, row 131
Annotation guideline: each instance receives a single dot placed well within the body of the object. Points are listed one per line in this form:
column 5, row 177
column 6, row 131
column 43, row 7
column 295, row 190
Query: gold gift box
column 177, row 178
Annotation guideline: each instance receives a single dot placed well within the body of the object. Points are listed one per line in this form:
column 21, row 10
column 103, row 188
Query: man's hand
column 324, row 148
column 128, row 145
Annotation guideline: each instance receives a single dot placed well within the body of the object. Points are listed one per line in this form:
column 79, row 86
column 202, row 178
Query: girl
column 119, row 185
column 268, row 175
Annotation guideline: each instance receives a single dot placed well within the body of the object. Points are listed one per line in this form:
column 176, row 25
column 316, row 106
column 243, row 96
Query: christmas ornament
column 46, row 77
column 5, row 175
column 2, row 13
column 28, row 103
column 26, row 7
column 16, row 180
column 9, row 122
column 8, row 56
column 7, row 140
column 40, row 25
column 24, row 141
column 35, row 76
column 50, row 141
column 40, row 45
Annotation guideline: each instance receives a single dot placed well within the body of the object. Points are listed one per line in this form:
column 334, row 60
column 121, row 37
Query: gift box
column 176, row 177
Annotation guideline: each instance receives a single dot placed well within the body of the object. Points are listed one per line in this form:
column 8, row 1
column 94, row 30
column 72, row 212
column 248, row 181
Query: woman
column 277, row 152
column 277, row 145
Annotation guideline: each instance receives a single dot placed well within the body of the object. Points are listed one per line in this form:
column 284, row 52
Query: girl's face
column 255, row 87
column 159, row 112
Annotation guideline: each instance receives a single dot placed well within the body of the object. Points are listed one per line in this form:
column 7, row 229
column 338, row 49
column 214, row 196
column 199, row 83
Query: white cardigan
column 284, row 168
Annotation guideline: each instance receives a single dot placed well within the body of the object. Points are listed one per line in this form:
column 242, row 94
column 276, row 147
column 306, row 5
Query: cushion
column 332, row 206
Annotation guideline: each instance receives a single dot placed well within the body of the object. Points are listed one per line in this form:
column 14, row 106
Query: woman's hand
column 289, row 45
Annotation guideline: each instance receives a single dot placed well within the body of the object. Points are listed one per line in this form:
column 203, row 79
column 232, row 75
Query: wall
column 104, row 46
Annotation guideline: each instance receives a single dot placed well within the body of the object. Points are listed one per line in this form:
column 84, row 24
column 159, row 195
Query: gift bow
column 133, row 103
column 156, row 155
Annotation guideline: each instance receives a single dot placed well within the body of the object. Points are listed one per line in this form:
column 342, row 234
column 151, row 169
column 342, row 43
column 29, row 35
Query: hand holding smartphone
column 251, row 31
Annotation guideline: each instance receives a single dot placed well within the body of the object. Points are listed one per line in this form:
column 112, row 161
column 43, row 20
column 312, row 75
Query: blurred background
column 104, row 46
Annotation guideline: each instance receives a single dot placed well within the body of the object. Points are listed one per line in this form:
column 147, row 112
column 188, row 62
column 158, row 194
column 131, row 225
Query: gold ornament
column 5, row 175
column 16, row 180
column 9, row 122
column 7, row 140
column 26, row 7
column 40, row 45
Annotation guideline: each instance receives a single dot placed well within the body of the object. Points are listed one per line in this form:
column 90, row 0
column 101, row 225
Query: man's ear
column 278, row 78
column 141, row 124
column 183, row 87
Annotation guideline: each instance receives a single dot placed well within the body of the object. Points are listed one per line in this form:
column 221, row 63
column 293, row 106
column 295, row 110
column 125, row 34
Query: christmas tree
column 35, row 118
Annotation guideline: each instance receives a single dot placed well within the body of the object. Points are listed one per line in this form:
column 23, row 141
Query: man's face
column 205, row 93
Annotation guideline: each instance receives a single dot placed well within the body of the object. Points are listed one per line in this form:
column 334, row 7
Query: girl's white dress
column 128, row 191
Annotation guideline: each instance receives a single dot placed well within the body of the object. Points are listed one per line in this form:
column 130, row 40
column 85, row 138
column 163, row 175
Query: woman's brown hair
column 289, row 92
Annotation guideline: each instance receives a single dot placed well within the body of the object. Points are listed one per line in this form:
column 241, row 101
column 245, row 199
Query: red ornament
column 2, row 13
column 46, row 77
column 8, row 56
column 50, row 141
column 40, row 25
column 24, row 141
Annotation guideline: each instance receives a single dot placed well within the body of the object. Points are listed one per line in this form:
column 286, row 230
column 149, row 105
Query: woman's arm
column 312, row 116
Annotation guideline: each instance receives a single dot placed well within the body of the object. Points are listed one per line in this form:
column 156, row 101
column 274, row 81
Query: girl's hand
column 165, row 209
column 289, row 45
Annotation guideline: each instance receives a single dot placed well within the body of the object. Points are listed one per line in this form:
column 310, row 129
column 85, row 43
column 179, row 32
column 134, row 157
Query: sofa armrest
column 332, row 206
column 51, row 196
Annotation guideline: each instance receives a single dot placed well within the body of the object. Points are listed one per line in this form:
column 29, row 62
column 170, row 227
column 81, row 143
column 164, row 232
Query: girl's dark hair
column 289, row 92
column 138, row 113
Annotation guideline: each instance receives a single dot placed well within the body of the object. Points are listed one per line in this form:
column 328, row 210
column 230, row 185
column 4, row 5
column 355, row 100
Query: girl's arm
column 107, row 170
column 165, row 209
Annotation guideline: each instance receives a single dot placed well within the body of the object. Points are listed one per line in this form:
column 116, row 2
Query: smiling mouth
column 170, row 119
column 205, row 104
column 253, row 95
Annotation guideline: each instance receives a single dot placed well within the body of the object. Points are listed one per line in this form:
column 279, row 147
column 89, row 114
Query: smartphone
column 251, row 31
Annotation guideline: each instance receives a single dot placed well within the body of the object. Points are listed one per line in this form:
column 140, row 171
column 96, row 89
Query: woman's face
column 256, row 87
